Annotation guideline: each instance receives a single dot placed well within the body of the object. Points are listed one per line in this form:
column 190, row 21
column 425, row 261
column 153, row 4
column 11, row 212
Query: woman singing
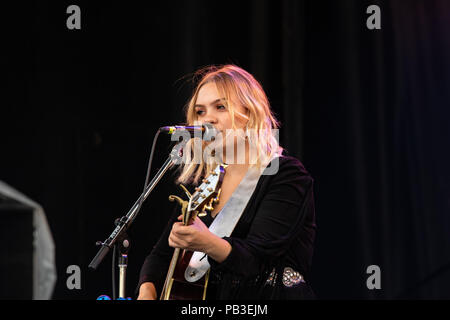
column 268, row 252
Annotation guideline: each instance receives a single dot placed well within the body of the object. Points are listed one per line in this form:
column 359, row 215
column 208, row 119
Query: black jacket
column 276, row 230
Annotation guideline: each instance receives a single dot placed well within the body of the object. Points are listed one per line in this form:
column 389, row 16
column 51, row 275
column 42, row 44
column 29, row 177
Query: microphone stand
column 126, row 220
column 124, row 246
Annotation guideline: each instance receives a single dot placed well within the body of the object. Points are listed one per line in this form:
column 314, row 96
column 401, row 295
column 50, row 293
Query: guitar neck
column 205, row 196
column 167, row 284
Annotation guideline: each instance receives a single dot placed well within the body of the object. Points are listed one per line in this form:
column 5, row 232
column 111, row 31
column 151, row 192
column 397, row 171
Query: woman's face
column 210, row 108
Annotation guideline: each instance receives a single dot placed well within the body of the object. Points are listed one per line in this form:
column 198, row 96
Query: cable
column 149, row 167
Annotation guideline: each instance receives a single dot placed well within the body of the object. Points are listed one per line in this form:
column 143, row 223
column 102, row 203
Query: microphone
column 207, row 129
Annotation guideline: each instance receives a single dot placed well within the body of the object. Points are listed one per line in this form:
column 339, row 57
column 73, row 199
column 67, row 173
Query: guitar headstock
column 205, row 195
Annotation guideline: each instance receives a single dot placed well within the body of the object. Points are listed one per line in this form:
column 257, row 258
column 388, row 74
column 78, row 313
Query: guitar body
column 176, row 287
column 179, row 288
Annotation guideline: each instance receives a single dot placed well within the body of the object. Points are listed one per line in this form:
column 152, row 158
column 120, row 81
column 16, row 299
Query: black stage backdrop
column 366, row 111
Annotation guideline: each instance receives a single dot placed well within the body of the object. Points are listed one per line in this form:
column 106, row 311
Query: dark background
column 366, row 111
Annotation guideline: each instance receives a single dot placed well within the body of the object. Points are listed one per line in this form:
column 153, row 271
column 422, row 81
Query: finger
column 182, row 230
column 176, row 226
column 175, row 242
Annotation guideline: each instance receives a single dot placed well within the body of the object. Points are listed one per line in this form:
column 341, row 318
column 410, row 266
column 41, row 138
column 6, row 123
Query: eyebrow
column 215, row 101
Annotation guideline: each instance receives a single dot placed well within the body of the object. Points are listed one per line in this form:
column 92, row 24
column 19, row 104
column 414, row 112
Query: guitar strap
column 225, row 222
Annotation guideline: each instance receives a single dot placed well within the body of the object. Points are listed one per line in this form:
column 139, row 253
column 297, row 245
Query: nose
column 210, row 118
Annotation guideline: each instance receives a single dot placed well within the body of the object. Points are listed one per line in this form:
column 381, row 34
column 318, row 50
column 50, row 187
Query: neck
column 240, row 163
column 237, row 168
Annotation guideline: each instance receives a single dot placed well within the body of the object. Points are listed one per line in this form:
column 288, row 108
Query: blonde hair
column 239, row 86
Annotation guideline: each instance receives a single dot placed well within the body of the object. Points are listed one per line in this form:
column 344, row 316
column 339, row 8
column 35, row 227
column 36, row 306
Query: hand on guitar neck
column 191, row 235
column 219, row 249
column 194, row 237
column 197, row 237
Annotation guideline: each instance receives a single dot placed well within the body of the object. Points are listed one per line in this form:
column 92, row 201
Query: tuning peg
column 202, row 214
column 217, row 198
column 210, row 207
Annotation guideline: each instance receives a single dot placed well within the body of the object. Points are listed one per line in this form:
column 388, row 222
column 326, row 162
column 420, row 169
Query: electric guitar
column 176, row 287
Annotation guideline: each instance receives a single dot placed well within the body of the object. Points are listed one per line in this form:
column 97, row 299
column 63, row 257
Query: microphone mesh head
column 210, row 132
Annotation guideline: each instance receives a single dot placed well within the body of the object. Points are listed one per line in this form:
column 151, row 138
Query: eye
column 199, row 112
column 220, row 106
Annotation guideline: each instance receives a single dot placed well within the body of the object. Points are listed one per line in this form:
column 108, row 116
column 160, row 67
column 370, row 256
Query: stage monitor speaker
column 27, row 266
